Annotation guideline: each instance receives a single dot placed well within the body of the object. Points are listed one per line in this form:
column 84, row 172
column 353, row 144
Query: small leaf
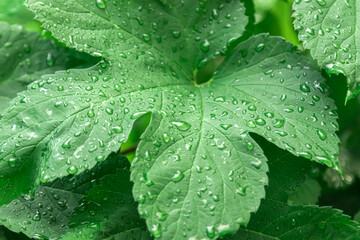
column 329, row 29
column 76, row 207
column 26, row 58
column 276, row 220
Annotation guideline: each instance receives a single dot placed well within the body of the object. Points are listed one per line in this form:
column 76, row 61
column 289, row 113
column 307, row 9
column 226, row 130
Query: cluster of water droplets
column 326, row 29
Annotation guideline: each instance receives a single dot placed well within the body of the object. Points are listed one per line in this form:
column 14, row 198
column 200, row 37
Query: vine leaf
column 196, row 162
column 26, row 58
column 276, row 220
column 329, row 29
column 75, row 207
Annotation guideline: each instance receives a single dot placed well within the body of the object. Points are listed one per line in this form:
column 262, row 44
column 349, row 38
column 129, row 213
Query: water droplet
column 310, row 31
column 225, row 126
column 146, row 37
column 321, row 2
column 215, row 13
column 156, row 230
column 251, row 124
column 91, row 113
column 241, row 191
column 166, row 138
column 205, row 46
column 100, row 158
column 306, row 155
column 304, row 87
column 260, row 121
column 322, row 134
column 259, row 47
column 257, row 164
column 210, row 231
column 37, row 216
column 176, row 34
column 252, row 108
column 269, row 115
column 281, row 133
column 137, row 115
column 178, row 176
column 100, row 4
column 109, row 111
column 12, row 162
column 250, row 145
column 182, row 126
column 118, row 129
column 293, row 222
column 72, row 170
column 66, row 144
column 334, row 69
column 279, row 123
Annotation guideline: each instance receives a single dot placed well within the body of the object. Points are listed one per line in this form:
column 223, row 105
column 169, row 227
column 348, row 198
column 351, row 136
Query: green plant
column 216, row 93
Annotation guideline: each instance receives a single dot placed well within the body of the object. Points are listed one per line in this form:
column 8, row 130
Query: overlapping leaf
column 329, row 28
column 276, row 220
column 25, row 58
column 93, row 205
column 196, row 162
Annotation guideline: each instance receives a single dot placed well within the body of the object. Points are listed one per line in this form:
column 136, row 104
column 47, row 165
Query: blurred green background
column 325, row 187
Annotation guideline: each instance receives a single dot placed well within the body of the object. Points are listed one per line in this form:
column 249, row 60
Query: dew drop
column 91, row 113
column 137, row 115
column 118, row 129
column 306, row 155
column 210, row 231
column 37, row 216
column 260, row 121
column 321, row 2
column 182, row 126
column 205, row 46
column 12, row 162
column 72, row 170
column 156, row 230
column 66, row 144
column 225, row 126
column 166, row 138
column 178, row 176
column 100, row 158
column 259, row 47
column 322, row 134
column 176, row 34
column 100, row 4
column 279, row 123
column 304, row 87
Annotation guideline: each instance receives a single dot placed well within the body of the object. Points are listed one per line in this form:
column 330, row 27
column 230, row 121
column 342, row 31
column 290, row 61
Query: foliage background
column 325, row 187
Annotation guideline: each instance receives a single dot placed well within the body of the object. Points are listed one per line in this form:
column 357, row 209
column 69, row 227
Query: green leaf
column 220, row 180
column 196, row 162
column 26, row 58
column 307, row 193
column 15, row 12
column 184, row 33
column 75, row 207
column 276, row 220
column 329, row 29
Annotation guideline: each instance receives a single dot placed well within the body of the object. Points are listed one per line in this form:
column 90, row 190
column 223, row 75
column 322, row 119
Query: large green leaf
column 329, row 28
column 276, row 220
column 25, row 58
column 196, row 162
column 93, row 205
